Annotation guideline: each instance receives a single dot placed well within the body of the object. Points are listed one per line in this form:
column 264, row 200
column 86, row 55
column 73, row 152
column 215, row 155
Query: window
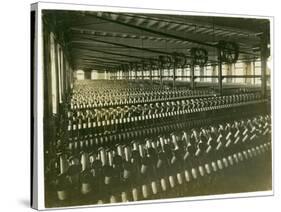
column 80, row 75
column 53, row 74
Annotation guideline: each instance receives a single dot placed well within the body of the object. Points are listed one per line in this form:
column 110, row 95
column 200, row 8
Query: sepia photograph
column 142, row 106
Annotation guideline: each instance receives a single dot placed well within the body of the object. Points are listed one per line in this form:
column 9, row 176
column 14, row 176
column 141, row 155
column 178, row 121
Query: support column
column 229, row 73
column 160, row 76
column 263, row 76
column 247, row 71
column 254, row 72
column 220, row 76
column 174, row 76
column 264, row 55
column 263, row 63
column 192, row 78
column 214, row 73
column 202, row 74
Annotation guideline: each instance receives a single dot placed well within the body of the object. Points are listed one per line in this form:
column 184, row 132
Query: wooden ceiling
column 105, row 40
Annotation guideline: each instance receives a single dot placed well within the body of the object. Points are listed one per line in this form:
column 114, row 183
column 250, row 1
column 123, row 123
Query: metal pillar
column 264, row 55
column 247, row 71
column 151, row 68
column 202, row 74
column 229, row 73
column 254, row 72
column 161, row 77
column 213, row 73
column 220, row 76
column 192, row 78
column 174, row 76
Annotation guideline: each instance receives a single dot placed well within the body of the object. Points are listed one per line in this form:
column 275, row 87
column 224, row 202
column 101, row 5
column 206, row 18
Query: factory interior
column 144, row 106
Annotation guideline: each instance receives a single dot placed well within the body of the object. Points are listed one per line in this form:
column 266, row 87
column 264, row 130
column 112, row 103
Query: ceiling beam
column 106, row 52
column 107, row 17
column 94, row 64
column 97, row 61
column 89, row 56
column 87, row 37
column 123, row 35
